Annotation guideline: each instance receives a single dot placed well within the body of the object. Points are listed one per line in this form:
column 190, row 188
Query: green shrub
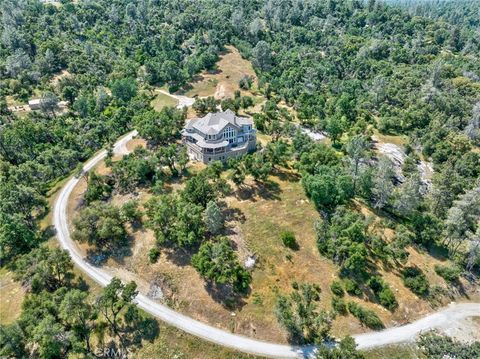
column 382, row 292
column 339, row 305
column 98, row 189
column 387, row 298
column 449, row 273
column 376, row 284
column 130, row 212
column 336, row 288
column 352, row 287
column 289, row 240
column 257, row 299
column 153, row 255
column 365, row 316
column 415, row 280
column 245, row 82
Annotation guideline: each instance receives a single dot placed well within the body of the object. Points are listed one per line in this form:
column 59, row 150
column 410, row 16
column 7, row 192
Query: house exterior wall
column 197, row 153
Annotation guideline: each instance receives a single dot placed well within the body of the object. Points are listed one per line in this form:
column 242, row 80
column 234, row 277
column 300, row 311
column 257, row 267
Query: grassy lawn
column 203, row 86
column 162, row 100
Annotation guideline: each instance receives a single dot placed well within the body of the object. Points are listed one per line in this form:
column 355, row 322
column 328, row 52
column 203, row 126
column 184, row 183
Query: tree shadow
column 99, row 256
column 144, row 328
column 286, row 176
column 232, row 214
column 179, row 256
column 226, row 295
column 460, row 288
column 133, row 335
column 215, row 71
column 437, row 251
column 268, row 190
column 47, row 233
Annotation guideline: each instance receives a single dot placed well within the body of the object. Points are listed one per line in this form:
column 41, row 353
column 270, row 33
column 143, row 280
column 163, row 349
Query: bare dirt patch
column 223, row 82
column 58, row 77
column 136, row 142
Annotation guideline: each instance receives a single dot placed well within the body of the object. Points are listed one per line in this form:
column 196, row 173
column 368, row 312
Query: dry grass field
column 222, row 82
column 256, row 214
column 11, row 297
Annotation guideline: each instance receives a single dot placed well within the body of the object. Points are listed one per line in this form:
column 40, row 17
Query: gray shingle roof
column 214, row 123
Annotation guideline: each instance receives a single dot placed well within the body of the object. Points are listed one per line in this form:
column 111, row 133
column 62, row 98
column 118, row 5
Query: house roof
column 214, row 123
column 35, row 101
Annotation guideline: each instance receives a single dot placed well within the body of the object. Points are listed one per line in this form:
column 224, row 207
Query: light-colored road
column 441, row 319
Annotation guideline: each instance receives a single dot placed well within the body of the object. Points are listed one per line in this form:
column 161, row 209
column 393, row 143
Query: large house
column 219, row 136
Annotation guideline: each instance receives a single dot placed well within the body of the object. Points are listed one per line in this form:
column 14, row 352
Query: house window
column 229, row 133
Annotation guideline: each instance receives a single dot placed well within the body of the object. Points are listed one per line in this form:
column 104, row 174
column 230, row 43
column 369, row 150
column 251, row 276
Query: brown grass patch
column 11, row 297
column 58, row 77
column 161, row 100
column 223, row 82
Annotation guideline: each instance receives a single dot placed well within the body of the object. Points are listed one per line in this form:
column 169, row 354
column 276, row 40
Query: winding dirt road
column 441, row 319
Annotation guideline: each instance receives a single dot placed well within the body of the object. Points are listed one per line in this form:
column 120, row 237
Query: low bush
column 382, row 292
column 153, row 255
column 449, row 273
column 415, row 280
column 387, row 299
column 336, row 288
column 289, row 240
column 365, row 316
column 436, row 346
column 352, row 287
column 339, row 305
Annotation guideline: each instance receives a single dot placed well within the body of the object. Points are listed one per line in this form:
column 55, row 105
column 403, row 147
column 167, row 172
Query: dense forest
column 458, row 12
column 345, row 68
